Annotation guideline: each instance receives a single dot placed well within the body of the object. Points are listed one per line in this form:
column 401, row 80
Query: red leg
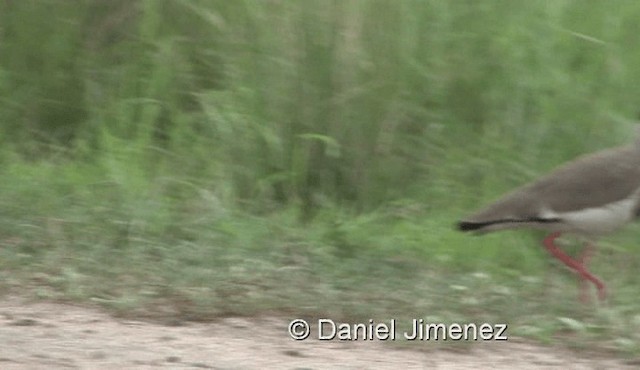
column 577, row 266
column 584, row 259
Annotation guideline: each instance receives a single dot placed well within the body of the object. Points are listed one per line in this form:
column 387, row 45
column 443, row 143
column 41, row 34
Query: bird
column 590, row 196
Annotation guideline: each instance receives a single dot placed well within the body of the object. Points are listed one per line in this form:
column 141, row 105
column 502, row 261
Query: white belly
column 601, row 220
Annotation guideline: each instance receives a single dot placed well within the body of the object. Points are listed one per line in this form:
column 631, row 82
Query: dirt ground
column 51, row 336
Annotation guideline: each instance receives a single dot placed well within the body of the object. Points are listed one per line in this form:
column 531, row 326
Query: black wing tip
column 465, row 226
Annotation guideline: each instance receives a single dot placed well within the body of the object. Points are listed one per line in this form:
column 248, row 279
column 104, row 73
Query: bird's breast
column 602, row 219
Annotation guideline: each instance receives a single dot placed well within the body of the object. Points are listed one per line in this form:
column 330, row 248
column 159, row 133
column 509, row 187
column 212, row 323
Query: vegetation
column 191, row 159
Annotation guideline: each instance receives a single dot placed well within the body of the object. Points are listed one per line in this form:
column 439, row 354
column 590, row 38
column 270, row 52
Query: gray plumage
column 606, row 184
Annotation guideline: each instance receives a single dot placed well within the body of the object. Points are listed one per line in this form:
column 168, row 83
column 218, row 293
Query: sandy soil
column 52, row 335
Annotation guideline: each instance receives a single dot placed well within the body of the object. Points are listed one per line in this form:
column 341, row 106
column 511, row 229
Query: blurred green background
column 195, row 159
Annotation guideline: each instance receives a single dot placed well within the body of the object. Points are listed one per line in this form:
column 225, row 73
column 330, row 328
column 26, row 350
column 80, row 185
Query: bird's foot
column 578, row 266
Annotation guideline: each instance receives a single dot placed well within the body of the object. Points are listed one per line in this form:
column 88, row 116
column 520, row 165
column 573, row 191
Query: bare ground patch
column 53, row 335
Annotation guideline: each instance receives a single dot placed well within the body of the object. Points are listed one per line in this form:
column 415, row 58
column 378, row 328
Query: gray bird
column 590, row 196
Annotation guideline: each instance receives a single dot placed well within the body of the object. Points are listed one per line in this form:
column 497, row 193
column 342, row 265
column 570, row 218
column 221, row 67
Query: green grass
column 197, row 159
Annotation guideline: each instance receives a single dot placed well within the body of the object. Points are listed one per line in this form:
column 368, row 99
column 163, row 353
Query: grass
column 387, row 264
column 192, row 160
